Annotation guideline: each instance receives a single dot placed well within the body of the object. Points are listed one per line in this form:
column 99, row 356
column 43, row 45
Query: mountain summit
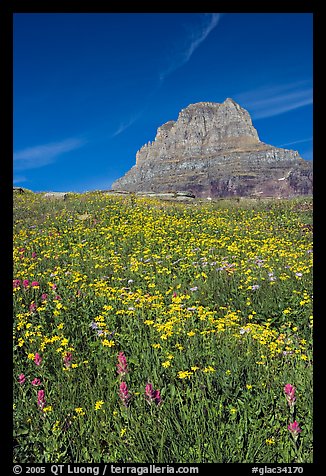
column 213, row 150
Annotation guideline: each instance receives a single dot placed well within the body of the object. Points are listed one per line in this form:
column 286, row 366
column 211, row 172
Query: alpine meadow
column 154, row 331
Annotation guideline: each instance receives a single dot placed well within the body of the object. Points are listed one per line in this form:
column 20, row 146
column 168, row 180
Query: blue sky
column 91, row 88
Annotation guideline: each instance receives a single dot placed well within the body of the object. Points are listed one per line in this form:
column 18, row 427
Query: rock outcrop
column 213, row 150
column 56, row 195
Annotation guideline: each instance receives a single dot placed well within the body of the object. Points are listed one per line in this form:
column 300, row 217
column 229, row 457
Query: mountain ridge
column 213, row 149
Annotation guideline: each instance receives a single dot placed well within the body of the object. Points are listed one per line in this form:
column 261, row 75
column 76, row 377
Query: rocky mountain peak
column 213, row 149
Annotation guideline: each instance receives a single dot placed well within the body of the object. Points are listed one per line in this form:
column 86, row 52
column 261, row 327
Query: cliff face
column 214, row 150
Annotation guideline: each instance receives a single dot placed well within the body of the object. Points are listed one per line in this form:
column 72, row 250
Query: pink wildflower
column 21, row 379
column 122, row 366
column 157, row 397
column 34, row 254
column 294, row 429
column 35, row 283
column 41, row 399
column 37, row 359
column 152, row 395
column 44, row 296
column 289, row 391
column 16, row 283
column 148, row 390
column 36, row 382
column 124, row 394
column 25, row 283
column 54, row 287
column 32, row 307
column 67, row 359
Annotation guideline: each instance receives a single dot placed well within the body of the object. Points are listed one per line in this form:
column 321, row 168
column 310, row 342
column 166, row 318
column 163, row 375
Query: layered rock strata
column 213, row 150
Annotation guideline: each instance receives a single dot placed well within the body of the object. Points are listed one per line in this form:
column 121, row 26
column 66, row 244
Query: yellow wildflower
column 99, row 404
column 209, row 369
column 166, row 364
column 108, row 343
column 184, row 374
column 55, row 427
column 270, row 441
column 156, row 346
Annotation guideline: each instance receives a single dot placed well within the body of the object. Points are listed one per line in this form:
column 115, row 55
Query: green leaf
column 21, row 431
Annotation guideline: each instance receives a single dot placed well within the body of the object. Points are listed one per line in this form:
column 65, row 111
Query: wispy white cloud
column 42, row 155
column 300, row 141
column 125, row 125
column 179, row 56
column 273, row 100
column 182, row 54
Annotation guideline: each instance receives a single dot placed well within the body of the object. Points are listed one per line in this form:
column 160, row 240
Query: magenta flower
column 54, row 287
column 21, row 379
column 124, row 394
column 157, row 397
column 152, row 395
column 16, row 283
column 289, row 391
column 148, row 389
column 35, row 283
column 122, row 366
column 25, row 283
column 32, row 307
column 294, row 429
column 36, row 382
column 67, row 359
column 34, row 254
column 41, row 399
column 37, row 359
column 44, row 296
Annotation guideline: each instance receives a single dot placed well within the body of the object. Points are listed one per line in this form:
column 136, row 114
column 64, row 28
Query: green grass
column 210, row 303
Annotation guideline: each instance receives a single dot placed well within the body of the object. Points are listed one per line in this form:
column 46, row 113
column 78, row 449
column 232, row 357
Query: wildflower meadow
column 150, row 331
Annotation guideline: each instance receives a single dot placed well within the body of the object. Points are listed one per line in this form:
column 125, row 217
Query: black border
column 7, row 11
